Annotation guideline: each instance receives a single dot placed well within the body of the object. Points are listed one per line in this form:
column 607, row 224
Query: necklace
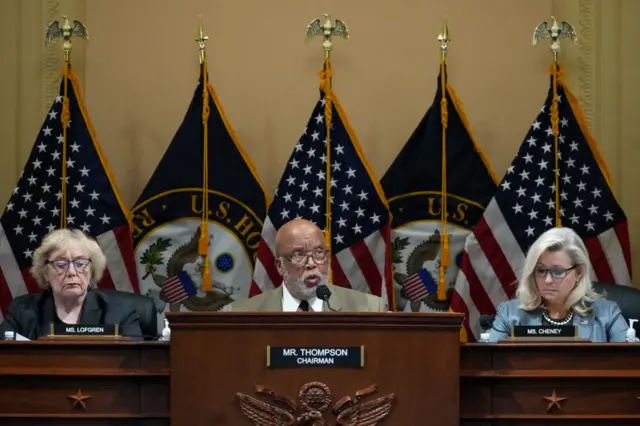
column 565, row 321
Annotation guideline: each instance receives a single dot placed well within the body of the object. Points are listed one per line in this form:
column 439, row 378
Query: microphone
column 486, row 321
column 323, row 293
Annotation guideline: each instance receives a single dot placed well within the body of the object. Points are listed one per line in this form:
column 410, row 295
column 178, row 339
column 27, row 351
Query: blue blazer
column 604, row 323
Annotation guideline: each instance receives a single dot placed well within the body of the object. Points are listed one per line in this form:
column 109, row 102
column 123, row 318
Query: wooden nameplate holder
column 545, row 334
column 78, row 332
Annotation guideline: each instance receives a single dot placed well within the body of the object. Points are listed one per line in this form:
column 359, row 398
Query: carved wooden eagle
column 314, row 399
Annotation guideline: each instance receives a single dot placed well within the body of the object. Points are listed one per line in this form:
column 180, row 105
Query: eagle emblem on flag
column 183, row 257
column 418, row 282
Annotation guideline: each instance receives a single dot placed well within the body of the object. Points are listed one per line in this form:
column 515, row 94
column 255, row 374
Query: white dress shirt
column 291, row 304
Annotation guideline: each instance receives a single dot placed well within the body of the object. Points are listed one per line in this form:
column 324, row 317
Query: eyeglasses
column 556, row 273
column 319, row 257
column 63, row 265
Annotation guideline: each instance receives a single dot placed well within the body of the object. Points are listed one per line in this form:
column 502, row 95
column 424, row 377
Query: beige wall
column 140, row 68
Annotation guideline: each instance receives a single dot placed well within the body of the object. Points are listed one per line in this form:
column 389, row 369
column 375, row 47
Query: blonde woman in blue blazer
column 555, row 288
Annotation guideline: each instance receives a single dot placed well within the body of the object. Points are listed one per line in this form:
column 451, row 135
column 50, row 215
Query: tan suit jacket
column 342, row 299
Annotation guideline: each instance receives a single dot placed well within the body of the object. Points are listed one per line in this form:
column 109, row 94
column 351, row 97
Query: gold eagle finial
column 65, row 31
column 555, row 33
column 327, row 30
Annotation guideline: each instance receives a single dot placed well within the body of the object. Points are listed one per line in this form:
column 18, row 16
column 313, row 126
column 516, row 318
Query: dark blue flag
column 169, row 220
column 413, row 186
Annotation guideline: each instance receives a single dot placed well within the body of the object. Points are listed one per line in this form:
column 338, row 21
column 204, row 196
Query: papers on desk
column 12, row 335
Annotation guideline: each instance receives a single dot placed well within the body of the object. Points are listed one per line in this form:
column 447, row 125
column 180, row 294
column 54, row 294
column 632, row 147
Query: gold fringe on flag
column 325, row 83
column 444, row 119
column 203, row 243
column 555, row 119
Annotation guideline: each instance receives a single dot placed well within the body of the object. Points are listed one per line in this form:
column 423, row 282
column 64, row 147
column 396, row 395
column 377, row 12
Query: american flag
column 360, row 226
column 92, row 201
column 524, row 207
column 178, row 288
column 419, row 285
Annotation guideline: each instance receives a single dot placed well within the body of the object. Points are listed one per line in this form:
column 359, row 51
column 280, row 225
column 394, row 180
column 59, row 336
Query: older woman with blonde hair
column 555, row 288
column 68, row 265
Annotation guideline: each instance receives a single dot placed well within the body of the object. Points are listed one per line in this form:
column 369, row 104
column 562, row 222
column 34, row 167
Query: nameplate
column 85, row 330
column 546, row 331
column 312, row 356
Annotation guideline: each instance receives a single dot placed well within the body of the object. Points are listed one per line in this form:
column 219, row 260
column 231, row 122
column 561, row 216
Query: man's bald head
column 296, row 239
column 294, row 233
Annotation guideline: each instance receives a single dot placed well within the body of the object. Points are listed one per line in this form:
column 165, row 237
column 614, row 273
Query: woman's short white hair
column 59, row 240
column 555, row 240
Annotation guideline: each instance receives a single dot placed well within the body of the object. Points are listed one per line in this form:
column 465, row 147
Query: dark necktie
column 304, row 306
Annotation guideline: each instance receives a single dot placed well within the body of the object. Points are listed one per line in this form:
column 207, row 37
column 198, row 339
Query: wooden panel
column 84, row 421
column 511, row 384
column 552, row 421
column 58, row 357
column 528, row 358
column 399, row 358
column 127, row 383
column 109, row 395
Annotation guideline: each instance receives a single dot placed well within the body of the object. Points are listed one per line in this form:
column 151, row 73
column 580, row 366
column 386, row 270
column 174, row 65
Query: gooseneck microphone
column 486, row 322
column 323, row 293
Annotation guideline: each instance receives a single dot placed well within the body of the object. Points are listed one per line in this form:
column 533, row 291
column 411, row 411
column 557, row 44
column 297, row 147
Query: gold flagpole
column 555, row 33
column 327, row 30
column 66, row 31
column 203, row 243
column 444, row 39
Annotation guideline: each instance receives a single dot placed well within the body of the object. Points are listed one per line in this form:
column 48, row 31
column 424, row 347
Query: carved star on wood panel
column 554, row 400
column 78, row 399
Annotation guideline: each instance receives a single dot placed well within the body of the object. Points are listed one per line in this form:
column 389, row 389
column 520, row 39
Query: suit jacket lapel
column 337, row 302
column 531, row 317
column 46, row 308
column 91, row 309
column 45, row 314
column 274, row 301
column 584, row 325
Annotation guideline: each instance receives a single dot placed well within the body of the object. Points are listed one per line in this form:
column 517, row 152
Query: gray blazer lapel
column 585, row 325
column 336, row 301
column 91, row 309
column 274, row 301
column 530, row 318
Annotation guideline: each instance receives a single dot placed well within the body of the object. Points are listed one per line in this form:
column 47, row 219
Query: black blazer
column 30, row 315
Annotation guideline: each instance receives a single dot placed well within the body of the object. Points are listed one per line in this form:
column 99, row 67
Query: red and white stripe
column 493, row 259
column 120, row 273
column 364, row 266
column 173, row 290
column 414, row 288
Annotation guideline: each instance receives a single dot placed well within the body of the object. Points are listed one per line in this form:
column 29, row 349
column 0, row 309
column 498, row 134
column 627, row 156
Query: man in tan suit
column 302, row 260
